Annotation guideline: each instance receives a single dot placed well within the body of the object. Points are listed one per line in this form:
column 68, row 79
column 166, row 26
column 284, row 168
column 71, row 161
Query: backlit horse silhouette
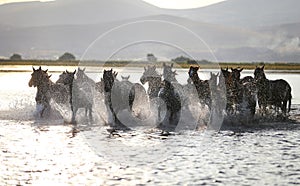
column 118, row 96
column 244, row 92
column 202, row 86
column 170, row 93
column 272, row 92
column 47, row 90
column 41, row 80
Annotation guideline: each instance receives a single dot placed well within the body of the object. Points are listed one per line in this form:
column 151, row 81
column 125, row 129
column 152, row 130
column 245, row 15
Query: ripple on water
column 40, row 154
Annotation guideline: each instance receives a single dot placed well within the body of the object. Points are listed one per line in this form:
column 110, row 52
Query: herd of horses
column 239, row 96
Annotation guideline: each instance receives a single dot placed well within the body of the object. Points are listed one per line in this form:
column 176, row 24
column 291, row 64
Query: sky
column 182, row 4
column 174, row 4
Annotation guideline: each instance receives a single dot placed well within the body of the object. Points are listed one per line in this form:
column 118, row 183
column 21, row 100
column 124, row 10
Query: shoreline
column 285, row 67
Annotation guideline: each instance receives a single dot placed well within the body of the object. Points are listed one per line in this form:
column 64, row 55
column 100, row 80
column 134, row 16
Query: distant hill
column 246, row 13
column 238, row 13
column 51, row 41
column 233, row 30
column 62, row 12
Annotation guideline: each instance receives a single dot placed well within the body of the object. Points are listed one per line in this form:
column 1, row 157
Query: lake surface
column 34, row 152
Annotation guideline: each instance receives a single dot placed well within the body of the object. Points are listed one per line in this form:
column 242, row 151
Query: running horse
column 226, row 77
column 202, row 86
column 154, row 80
column 170, row 93
column 41, row 80
column 78, row 97
column 272, row 92
column 117, row 97
column 243, row 92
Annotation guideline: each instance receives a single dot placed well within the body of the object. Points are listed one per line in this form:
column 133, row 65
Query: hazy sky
column 10, row 1
column 180, row 4
column 176, row 4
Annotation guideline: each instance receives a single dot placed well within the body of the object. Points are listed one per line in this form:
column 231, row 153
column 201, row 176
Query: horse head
column 193, row 72
column 38, row 77
column 259, row 73
column 168, row 73
column 66, row 78
column 80, row 73
column 214, row 78
column 108, row 79
column 125, row 78
column 236, row 73
column 149, row 74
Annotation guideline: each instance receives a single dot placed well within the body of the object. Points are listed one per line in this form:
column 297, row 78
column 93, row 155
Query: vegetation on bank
column 203, row 64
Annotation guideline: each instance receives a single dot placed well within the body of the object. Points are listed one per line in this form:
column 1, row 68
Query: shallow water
column 36, row 152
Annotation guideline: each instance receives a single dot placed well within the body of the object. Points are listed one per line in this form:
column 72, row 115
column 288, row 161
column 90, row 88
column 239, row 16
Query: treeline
column 204, row 64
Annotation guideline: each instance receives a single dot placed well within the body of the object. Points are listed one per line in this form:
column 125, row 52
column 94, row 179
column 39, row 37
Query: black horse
column 202, row 86
column 272, row 92
column 243, row 93
column 173, row 106
column 118, row 96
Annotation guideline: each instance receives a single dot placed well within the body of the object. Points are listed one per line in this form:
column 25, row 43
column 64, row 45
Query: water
column 35, row 153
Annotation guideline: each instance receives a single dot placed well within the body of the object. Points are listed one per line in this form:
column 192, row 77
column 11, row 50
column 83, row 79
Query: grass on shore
column 250, row 66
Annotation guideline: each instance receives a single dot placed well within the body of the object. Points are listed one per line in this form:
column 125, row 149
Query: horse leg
column 46, row 110
column 90, row 114
column 73, row 121
column 158, row 113
column 175, row 116
column 283, row 107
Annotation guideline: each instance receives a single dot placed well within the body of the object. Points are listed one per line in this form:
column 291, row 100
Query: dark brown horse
column 226, row 76
column 202, row 86
column 117, row 98
column 41, row 80
column 47, row 90
column 243, row 92
column 272, row 92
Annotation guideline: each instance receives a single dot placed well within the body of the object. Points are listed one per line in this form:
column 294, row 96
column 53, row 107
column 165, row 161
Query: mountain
column 54, row 39
column 233, row 30
column 237, row 13
column 246, row 13
column 61, row 12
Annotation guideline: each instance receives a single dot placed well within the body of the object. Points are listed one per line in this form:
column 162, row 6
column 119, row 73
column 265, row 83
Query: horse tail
column 290, row 100
column 289, row 96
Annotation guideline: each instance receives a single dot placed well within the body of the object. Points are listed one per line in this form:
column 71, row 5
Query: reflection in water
column 52, row 155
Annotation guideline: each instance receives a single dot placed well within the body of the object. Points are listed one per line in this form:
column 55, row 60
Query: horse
column 226, row 77
column 100, row 85
column 47, row 90
column 83, row 79
column 272, row 92
column 41, row 80
column 243, row 92
column 169, row 74
column 78, row 97
column 173, row 105
column 202, row 86
column 117, row 97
